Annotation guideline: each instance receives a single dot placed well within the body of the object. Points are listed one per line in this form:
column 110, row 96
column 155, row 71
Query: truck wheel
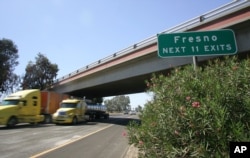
column 97, row 116
column 12, row 122
column 74, row 121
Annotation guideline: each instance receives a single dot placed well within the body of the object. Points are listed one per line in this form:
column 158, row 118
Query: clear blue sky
column 75, row 33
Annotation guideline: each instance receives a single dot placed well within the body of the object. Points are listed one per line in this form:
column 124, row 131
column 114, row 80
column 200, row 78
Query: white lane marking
column 69, row 142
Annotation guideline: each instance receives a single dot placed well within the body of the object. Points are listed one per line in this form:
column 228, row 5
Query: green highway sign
column 218, row 42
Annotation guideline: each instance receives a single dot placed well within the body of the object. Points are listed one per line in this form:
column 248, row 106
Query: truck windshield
column 68, row 105
column 10, row 102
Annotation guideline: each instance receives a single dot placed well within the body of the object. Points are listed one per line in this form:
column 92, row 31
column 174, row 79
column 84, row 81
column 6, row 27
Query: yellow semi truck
column 77, row 110
column 70, row 111
column 29, row 106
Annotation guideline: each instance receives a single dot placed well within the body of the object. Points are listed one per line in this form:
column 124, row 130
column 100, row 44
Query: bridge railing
column 209, row 16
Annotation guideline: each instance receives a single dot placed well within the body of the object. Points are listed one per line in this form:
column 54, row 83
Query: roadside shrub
column 195, row 113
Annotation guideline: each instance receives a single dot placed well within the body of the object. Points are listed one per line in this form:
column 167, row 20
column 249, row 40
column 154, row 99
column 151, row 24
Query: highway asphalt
column 102, row 138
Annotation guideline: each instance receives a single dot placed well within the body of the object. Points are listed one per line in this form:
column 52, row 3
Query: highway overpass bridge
column 125, row 72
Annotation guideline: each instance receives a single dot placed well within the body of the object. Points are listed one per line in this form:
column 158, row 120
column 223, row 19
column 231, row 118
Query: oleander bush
column 195, row 113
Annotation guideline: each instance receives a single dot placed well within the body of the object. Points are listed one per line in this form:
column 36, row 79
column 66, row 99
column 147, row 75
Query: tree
column 39, row 75
column 118, row 103
column 8, row 62
column 138, row 108
column 13, row 83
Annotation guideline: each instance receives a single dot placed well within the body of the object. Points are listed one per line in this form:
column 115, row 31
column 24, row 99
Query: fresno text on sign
column 197, row 43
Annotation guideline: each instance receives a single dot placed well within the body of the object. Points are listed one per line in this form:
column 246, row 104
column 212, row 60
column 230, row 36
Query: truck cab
column 70, row 111
column 21, row 107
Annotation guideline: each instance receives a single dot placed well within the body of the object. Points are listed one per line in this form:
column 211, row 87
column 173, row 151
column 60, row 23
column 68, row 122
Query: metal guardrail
column 216, row 13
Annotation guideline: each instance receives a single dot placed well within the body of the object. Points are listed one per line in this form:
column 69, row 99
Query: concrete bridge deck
column 125, row 72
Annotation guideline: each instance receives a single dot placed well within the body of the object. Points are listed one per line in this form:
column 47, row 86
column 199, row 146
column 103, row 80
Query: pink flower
column 196, row 104
column 188, row 98
column 140, row 142
column 124, row 134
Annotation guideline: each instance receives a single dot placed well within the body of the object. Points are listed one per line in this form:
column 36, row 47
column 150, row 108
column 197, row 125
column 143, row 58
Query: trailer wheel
column 106, row 116
column 12, row 122
column 47, row 119
column 74, row 121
